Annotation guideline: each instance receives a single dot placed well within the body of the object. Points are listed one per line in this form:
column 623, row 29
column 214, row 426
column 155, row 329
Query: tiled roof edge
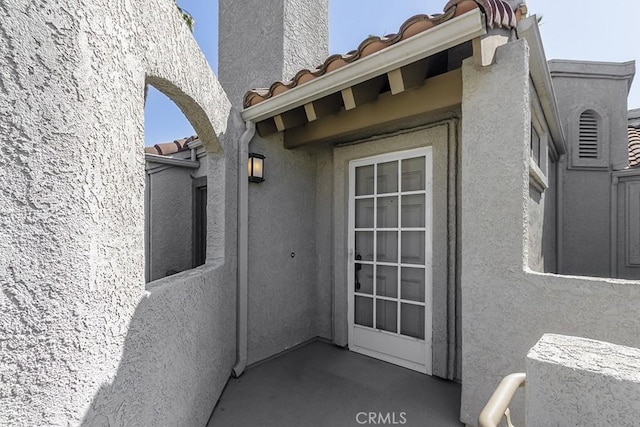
column 498, row 13
column 166, row 148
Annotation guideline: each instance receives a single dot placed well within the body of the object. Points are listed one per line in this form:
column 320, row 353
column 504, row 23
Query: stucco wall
column 261, row 42
column 542, row 224
column 537, row 202
column 442, row 137
column 628, row 225
column 81, row 338
column 602, row 88
column 507, row 308
column 264, row 41
column 282, row 251
column 324, row 241
column 586, row 223
column 169, row 221
column 550, row 224
column 575, row 381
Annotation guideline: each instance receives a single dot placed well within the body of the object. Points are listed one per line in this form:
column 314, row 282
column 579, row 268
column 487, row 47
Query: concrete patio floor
column 319, row 384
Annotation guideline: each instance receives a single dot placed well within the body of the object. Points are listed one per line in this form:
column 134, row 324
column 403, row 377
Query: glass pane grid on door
column 396, row 193
column 380, row 297
column 365, row 262
column 390, row 246
column 391, row 229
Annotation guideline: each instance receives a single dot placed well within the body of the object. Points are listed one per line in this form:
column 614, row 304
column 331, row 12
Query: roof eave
column 539, row 69
column 594, row 70
column 155, row 158
column 444, row 36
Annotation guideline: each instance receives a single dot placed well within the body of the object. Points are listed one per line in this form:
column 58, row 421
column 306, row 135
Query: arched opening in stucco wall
column 163, row 120
column 177, row 160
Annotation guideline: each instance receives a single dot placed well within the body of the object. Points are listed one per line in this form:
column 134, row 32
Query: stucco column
column 495, row 125
column 264, row 41
column 496, row 119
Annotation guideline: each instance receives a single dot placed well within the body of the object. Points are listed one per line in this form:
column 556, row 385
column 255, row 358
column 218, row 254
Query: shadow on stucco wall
column 86, row 342
column 177, row 355
column 180, row 342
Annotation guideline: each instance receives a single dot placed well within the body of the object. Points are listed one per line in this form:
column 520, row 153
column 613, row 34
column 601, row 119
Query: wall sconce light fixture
column 256, row 167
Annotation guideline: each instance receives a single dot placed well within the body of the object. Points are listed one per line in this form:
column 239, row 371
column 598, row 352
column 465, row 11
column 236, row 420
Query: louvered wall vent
column 634, row 147
column 588, row 138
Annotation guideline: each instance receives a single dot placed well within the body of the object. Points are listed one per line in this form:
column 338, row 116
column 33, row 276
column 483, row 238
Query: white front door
column 390, row 298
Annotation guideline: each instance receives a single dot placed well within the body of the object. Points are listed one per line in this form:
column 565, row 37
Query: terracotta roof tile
column 634, row 146
column 498, row 15
column 167, row 148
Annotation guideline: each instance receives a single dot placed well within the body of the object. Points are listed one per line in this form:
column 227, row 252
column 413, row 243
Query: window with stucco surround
column 535, row 145
column 181, row 177
column 538, row 149
column 175, row 219
column 588, row 149
column 199, row 231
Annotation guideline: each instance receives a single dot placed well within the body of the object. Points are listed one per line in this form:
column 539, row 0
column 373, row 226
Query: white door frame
column 406, row 348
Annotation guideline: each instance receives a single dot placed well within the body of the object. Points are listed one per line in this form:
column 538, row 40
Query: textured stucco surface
column 261, row 42
column 542, row 225
column 505, row 307
column 282, row 251
column 602, row 88
column 550, row 224
column 439, row 137
column 586, row 223
column 579, row 382
column 169, row 221
column 628, row 212
column 324, row 241
column 265, row 41
column 81, row 340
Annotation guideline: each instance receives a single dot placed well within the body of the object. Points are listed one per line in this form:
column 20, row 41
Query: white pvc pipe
column 613, row 215
column 559, row 213
column 243, row 248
